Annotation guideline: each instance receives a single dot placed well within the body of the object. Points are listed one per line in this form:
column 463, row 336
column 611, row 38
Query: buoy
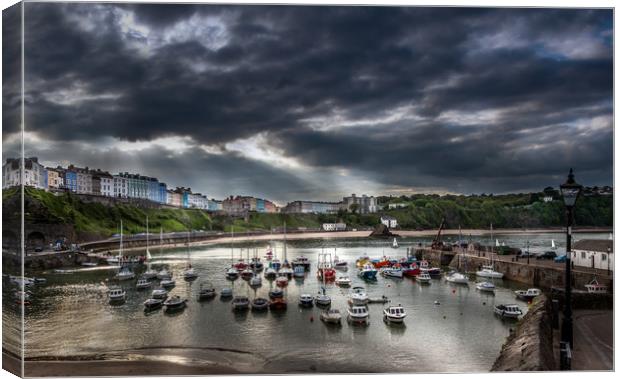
column 444, row 317
column 436, row 302
column 453, row 291
column 484, row 303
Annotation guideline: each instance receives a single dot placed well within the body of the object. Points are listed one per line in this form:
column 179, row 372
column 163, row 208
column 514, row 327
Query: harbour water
column 70, row 316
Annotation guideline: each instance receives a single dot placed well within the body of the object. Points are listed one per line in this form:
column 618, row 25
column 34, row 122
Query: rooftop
column 594, row 245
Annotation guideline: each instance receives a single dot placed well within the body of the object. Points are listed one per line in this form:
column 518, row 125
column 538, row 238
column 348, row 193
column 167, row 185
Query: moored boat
column 486, row 287
column 206, row 291
column 259, row 304
column 368, row 272
column 395, row 314
column 489, row 272
column 143, row 283
column 277, row 304
column 276, row 293
column 358, row 314
column 159, row 293
column 423, row 278
column 457, row 278
column 305, row 300
column 175, row 303
column 226, row 292
column 392, row 272
column 281, row 280
column 343, row 281
column 358, row 296
column 167, row 283
column 240, row 303
column 150, row 304
column 331, row 316
column 116, row 294
column 528, row 295
column 509, row 311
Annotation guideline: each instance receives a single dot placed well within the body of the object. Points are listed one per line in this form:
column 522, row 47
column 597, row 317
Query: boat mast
column 232, row 236
column 120, row 250
column 284, row 241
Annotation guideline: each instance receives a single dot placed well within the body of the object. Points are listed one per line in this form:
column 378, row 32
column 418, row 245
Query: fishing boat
column 151, row 304
column 302, row 262
column 424, row 278
column 343, row 281
column 457, row 278
column 331, row 316
column 276, row 293
column 392, row 272
column 361, row 261
column 395, row 244
column 340, row 264
column 226, row 292
column 411, row 271
column 240, row 303
column 358, row 314
column 175, row 303
column 277, row 304
column 159, row 293
column 143, row 283
column 510, row 311
column 368, row 272
column 189, row 273
column 434, row 272
column 383, row 262
column 305, row 300
column 124, row 271
column 167, row 283
column 299, row 272
column 527, row 295
column 116, row 294
column 259, row 304
column 282, row 280
column 325, row 270
column 150, row 273
column 394, row 314
column 358, row 296
column 595, row 287
column 206, row 291
column 486, row 287
column 489, row 272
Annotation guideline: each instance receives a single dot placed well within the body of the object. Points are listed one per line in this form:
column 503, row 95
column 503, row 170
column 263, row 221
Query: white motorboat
column 206, row 291
column 299, row 271
column 331, row 316
column 488, row 272
column 395, row 314
column 125, row 273
column 226, row 292
column 511, row 311
column 287, row 271
column 116, row 294
column 232, row 273
column 190, row 273
column 167, row 283
column 175, row 303
column 423, row 278
column 305, row 300
column 392, row 272
column 163, row 274
column 322, row 300
column 259, row 304
column 457, row 278
column 358, row 314
column 358, row 296
column 276, row 293
column 380, row 300
column 151, row 304
column 256, row 281
column 486, row 287
column 240, row 303
column 143, row 283
column 159, row 293
column 343, row 281
column 528, row 295
column 149, row 273
column 595, row 287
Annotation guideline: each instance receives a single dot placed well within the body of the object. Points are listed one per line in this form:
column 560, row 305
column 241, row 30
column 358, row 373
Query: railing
column 566, row 356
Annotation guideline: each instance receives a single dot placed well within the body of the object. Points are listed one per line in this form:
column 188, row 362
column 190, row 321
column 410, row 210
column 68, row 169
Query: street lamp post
column 570, row 192
column 608, row 252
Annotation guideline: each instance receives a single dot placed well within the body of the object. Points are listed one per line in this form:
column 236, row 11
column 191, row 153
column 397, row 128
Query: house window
column 583, row 255
column 603, row 257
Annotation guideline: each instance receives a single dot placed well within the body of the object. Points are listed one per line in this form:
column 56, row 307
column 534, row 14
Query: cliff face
column 530, row 346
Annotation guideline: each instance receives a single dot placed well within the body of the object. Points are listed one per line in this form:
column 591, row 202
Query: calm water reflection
column 71, row 315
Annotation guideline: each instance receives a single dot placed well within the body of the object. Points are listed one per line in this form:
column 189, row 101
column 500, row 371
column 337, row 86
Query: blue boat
column 299, row 272
column 368, row 272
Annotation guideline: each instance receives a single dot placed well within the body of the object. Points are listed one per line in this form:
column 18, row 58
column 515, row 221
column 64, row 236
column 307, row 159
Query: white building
column 333, row 227
column 84, row 182
column 547, row 199
column 35, row 175
column 120, row 186
column 389, row 221
column 366, row 204
column 594, row 254
column 198, row 201
column 107, row 185
column 397, row 205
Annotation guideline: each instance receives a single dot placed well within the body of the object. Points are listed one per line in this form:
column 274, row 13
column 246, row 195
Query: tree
column 354, row 208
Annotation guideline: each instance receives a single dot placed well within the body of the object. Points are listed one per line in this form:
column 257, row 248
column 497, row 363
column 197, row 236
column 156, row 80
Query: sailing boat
column 322, row 299
column 124, row 271
column 232, row 273
column 256, row 280
column 395, row 244
column 247, row 273
column 163, row 274
column 149, row 273
column 488, row 271
column 286, row 267
column 553, row 247
column 189, row 273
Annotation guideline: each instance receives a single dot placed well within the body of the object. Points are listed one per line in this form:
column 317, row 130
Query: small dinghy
column 508, row 311
column 527, row 295
column 142, row 284
column 395, row 314
column 282, row 281
column 232, row 274
column 259, row 304
column 175, row 303
column 151, row 304
column 206, row 291
column 240, row 303
column 322, row 300
column 358, row 296
column 331, row 316
column 159, row 293
column 256, row 281
column 486, row 287
column 276, row 293
column 226, row 292
column 306, row 300
column 168, row 283
column 380, row 300
column 163, row 274
column 277, row 304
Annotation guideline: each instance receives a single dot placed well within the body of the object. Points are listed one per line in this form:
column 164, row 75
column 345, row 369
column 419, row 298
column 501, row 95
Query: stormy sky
column 315, row 103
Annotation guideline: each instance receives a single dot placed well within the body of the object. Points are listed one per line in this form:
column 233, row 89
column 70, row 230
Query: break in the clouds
column 315, row 102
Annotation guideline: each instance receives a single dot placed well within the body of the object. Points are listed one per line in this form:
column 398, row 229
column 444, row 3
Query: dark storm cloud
column 222, row 73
